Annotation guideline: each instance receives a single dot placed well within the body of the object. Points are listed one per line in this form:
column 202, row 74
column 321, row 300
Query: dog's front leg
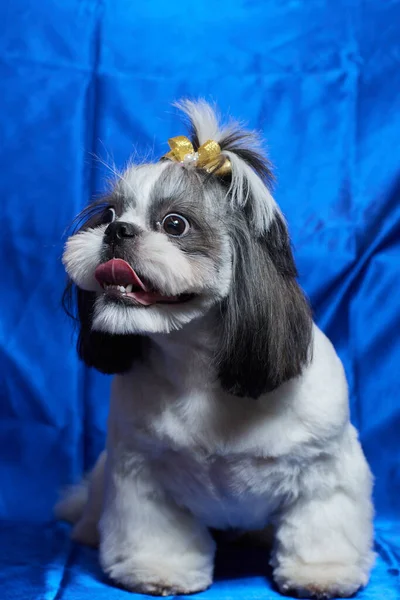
column 323, row 543
column 147, row 543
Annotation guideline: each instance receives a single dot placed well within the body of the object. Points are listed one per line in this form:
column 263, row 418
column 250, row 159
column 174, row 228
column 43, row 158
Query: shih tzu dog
column 229, row 407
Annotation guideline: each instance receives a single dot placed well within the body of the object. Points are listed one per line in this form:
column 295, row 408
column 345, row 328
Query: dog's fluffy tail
column 72, row 503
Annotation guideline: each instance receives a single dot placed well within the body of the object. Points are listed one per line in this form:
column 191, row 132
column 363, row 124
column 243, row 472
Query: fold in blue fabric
column 88, row 83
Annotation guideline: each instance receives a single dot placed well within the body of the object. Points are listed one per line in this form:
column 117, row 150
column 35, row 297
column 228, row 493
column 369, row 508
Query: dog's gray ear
column 266, row 324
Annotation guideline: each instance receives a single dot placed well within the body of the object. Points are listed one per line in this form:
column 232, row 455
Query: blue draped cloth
column 88, row 83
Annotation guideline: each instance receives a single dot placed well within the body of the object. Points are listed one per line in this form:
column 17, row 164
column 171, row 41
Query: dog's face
column 158, row 254
column 175, row 239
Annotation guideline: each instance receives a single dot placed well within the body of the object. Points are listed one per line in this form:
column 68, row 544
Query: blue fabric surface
column 87, row 78
column 40, row 561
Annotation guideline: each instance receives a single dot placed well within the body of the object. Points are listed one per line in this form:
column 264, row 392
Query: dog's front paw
column 319, row 580
column 161, row 575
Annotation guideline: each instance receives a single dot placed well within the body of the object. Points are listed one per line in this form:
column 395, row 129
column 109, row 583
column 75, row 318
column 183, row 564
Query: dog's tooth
column 129, row 288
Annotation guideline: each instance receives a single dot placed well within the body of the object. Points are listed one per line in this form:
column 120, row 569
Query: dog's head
column 177, row 239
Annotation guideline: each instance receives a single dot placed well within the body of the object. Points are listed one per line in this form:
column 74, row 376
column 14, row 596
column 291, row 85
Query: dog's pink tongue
column 117, row 272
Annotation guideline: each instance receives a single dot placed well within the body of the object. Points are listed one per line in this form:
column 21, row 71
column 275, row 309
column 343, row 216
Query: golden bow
column 207, row 157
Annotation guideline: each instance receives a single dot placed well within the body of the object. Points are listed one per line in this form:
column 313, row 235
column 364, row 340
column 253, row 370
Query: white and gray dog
column 229, row 408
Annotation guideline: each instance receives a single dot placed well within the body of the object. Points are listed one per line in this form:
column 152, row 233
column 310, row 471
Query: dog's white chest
column 231, row 461
column 210, row 454
column 222, row 491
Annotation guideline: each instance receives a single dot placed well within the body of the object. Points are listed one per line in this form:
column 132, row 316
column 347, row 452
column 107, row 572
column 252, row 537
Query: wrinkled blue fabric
column 41, row 562
column 82, row 79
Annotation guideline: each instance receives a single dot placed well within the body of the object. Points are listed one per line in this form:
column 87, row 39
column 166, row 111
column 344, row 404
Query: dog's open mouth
column 119, row 280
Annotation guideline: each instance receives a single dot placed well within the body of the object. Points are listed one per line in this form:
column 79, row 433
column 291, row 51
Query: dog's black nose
column 119, row 230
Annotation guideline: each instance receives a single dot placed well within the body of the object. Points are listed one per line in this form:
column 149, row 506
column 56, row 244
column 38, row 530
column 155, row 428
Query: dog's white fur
column 183, row 455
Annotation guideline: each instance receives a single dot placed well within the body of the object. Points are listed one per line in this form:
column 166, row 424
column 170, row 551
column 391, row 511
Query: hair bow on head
column 207, row 157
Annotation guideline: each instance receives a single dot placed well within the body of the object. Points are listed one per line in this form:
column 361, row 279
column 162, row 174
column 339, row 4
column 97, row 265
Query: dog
column 229, row 406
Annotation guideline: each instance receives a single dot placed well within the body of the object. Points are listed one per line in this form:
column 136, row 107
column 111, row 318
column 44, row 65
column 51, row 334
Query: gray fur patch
column 183, row 192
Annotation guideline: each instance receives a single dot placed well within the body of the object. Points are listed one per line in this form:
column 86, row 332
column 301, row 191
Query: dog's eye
column 175, row 225
column 108, row 215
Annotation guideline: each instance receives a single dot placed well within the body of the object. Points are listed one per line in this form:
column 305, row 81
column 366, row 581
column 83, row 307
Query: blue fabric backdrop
column 79, row 78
